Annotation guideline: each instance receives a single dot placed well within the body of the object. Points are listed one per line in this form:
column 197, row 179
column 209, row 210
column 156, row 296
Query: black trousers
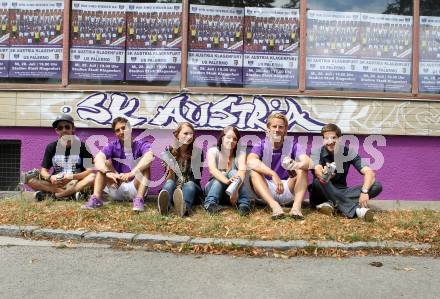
column 345, row 199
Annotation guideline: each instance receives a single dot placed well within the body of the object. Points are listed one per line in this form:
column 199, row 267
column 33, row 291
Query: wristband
column 364, row 190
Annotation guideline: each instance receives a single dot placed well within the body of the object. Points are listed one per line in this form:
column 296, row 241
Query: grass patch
column 411, row 226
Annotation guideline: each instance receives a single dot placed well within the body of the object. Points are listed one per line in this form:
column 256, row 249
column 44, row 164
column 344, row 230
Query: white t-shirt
column 221, row 164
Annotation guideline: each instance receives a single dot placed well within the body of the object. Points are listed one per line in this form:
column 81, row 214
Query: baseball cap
column 62, row 117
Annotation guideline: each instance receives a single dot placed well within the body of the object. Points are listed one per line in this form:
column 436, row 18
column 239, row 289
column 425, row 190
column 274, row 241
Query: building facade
column 372, row 69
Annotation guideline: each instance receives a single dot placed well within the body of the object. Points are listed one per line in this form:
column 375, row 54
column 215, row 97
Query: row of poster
column 109, row 41
column 226, row 45
column 345, row 50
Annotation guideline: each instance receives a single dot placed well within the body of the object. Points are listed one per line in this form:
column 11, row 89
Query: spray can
column 233, row 187
column 331, row 168
column 288, row 163
column 60, row 176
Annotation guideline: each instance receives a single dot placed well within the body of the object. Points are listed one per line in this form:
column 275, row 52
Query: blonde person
column 226, row 167
column 274, row 182
column 183, row 163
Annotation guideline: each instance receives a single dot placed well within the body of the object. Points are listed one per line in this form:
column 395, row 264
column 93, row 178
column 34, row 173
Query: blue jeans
column 191, row 192
column 215, row 192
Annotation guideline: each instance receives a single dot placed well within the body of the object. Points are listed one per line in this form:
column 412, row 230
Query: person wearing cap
column 69, row 160
column 123, row 168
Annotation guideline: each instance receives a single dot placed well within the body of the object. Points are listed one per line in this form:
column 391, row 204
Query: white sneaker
column 326, row 208
column 365, row 214
column 25, row 177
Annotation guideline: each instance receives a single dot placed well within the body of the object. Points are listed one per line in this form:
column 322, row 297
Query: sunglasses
column 65, row 127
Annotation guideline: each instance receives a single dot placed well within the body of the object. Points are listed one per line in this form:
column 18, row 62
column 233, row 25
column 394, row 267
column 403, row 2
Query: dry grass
column 412, row 226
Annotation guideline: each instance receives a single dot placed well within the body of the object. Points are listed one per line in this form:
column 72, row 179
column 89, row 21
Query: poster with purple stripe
column 429, row 68
column 332, row 49
column 97, row 49
column 348, row 50
column 215, row 54
column 154, row 38
column 4, row 39
column 36, row 38
column 271, row 38
column 386, row 52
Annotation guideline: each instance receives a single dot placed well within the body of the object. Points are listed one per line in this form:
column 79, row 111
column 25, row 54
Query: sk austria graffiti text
column 102, row 108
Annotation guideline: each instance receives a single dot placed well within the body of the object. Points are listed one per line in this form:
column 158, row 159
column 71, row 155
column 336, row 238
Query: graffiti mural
column 232, row 110
column 214, row 112
column 102, row 108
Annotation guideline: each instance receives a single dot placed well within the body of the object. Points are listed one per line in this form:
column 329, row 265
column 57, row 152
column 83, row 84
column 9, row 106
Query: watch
column 364, row 190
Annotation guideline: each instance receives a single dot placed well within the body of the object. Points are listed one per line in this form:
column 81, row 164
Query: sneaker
column 26, row 176
column 162, row 202
column 365, row 214
column 244, row 210
column 179, row 203
column 93, row 203
column 40, row 195
column 326, row 208
column 79, row 196
column 213, row 208
column 138, row 204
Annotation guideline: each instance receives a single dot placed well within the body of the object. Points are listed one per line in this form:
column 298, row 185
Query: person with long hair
column 183, row 162
column 226, row 166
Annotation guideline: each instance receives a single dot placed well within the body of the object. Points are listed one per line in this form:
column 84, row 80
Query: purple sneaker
column 93, row 203
column 138, row 204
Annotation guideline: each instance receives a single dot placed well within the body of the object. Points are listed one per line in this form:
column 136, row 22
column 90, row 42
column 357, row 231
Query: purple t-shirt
column 273, row 158
column 125, row 162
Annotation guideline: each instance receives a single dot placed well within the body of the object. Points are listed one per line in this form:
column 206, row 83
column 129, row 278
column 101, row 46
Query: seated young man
column 67, row 156
column 327, row 195
column 274, row 184
column 123, row 168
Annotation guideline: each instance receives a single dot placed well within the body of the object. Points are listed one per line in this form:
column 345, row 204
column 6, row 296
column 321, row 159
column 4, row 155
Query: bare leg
column 87, row 181
column 142, row 185
column 262, row 190
column 298, row 187
column 100, row 182
column 40, row 185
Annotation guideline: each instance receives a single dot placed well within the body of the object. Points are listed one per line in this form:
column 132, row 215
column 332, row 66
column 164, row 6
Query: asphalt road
column 44, row 272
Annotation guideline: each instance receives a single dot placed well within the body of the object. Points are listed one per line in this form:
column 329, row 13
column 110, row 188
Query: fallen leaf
column 376, row 264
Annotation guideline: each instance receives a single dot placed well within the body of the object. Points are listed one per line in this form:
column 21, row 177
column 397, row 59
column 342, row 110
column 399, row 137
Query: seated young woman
column 226, row 166
column 183, row 163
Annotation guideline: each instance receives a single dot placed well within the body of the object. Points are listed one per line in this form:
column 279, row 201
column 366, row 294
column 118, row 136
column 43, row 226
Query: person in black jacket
column 331, row 193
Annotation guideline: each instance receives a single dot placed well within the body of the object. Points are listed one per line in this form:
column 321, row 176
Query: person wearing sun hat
column 70, row 161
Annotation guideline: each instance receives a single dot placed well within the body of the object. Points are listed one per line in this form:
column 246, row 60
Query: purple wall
column 410, row 172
